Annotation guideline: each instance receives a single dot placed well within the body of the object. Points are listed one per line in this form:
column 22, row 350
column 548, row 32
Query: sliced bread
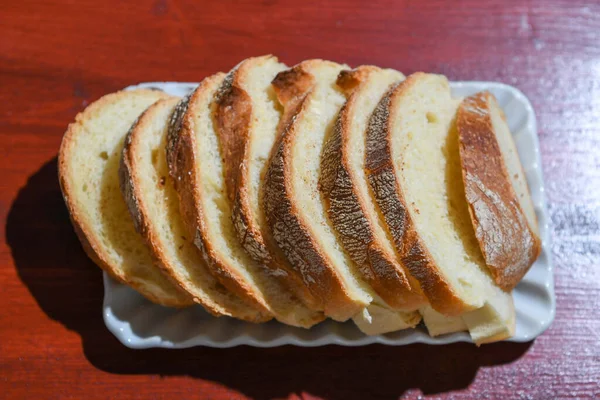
column 413, row 166
column 353, row 211
column 152, row 201
column 292, row 202
column 348, row 196
column 196, row 164
column 247, row 116
column 294, row 206
column 499, row 202
column 88, row 172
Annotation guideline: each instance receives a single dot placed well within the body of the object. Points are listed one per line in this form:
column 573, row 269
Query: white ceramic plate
column 138, row 323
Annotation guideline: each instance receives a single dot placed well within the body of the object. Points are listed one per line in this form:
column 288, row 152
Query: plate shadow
column 68, row 288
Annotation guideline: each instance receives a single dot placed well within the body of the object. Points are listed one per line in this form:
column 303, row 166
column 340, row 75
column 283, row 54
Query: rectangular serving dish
column 138, row 323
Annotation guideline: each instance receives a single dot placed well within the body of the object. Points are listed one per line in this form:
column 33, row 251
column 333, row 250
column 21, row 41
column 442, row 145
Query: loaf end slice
column 413, row 163
column 152, row 201
column 499, row 202
column 88, row 173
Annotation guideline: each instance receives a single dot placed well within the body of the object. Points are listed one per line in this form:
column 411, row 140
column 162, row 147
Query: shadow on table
column 68, row 288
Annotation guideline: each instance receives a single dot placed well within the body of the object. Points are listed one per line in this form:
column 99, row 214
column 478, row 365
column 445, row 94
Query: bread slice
column 152, row 201
column 247, row 116
column 413, row 166
column 292, row 202
column 351, row 207
column 196, row 163
column 88, row 164
column 499, row 202
column 294, row 207
column 348, row 197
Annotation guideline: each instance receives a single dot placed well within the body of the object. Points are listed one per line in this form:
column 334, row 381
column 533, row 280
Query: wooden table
column 57, row 58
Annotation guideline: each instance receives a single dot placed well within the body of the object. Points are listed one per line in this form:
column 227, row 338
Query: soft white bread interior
column 292, row 202
column 348, row 197
column 196, row 164
column 294, row 206
column 247, row 116
column 153, row 204
column 499, row 202
column 413, row 165
column 485, row 325
column 88, row 173
column 439, row 324
column 308, row 192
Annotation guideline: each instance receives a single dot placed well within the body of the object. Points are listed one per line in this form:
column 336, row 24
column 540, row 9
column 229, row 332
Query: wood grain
column 56, row 57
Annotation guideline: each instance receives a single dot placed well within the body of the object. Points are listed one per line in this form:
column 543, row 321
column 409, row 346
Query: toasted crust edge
column 294, row 88
column 380, row 268
column 137, row 208
column 181, row 158
column 390, row 198
column 233, row 115
column 91, row 247
column 486, row 180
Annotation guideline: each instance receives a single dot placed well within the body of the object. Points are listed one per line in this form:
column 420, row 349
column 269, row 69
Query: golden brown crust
column 390, row 198
column 181, row 157
column 132, row 191
column 233, row 115
column 508, row 243
column 347, row 207
column 127, row 175
column 88, row 240
column 131, row 195
column 350, row 79
column 294, row 88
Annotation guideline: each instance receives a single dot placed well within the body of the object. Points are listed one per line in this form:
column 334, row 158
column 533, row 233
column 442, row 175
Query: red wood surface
column 56, row 57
